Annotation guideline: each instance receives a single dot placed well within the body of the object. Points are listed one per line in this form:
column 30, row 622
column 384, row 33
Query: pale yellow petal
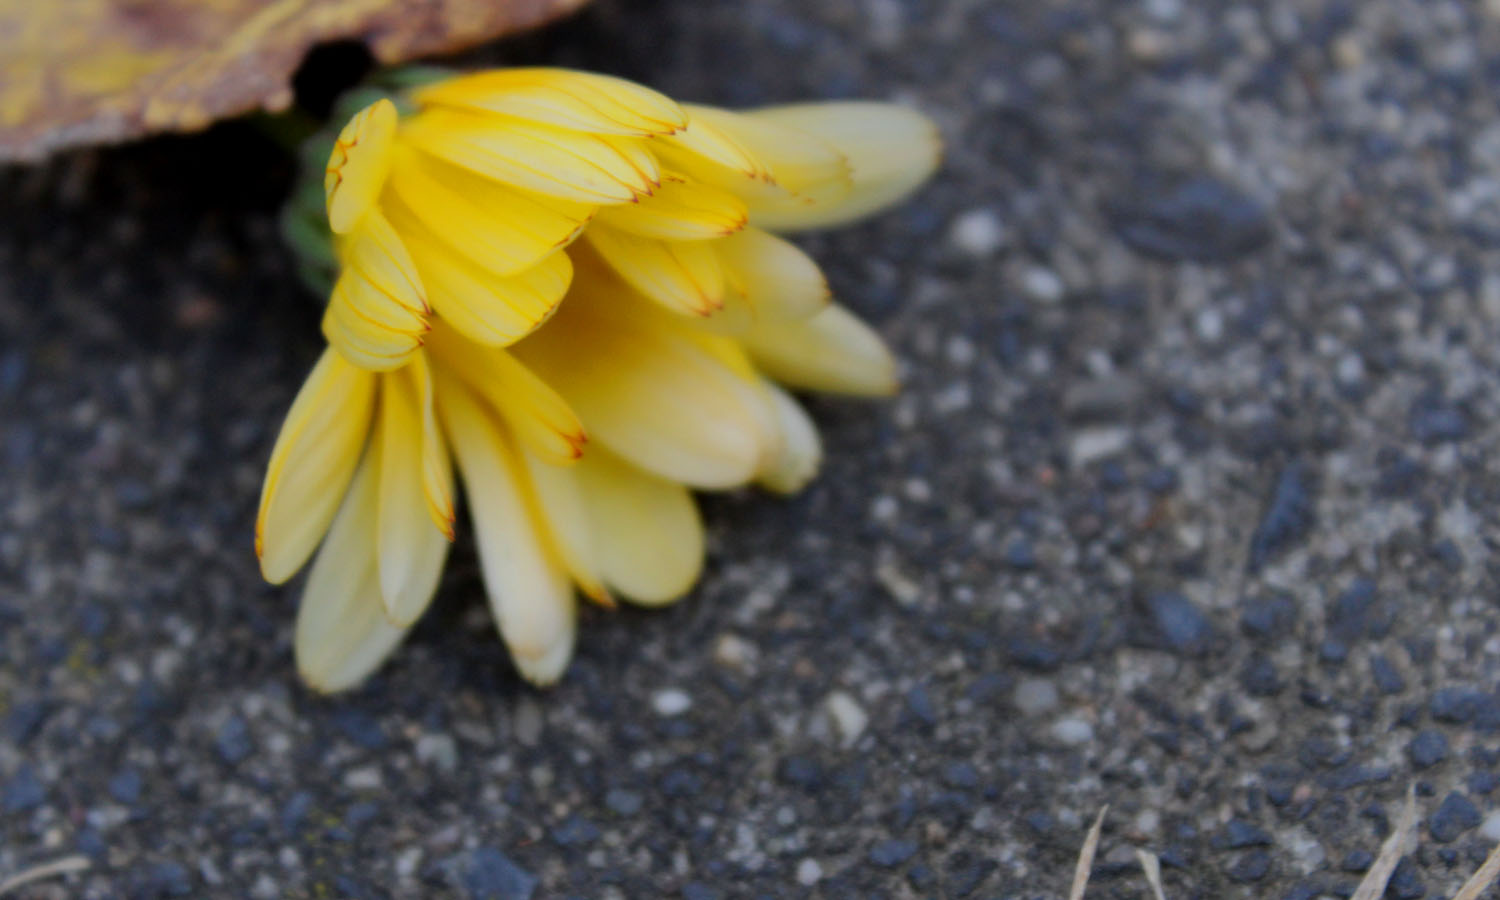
column 648, row 392
column 495, row 310
column 587, row 168
column 772, row 276
column 683, row 276
column 530, row 595
column 832, row 351
column 358, row 164
column 561, row 504
column 891, row 151
column 342, row 634
column 494, row 225
column 538, row 417
column 314, row 458
column 792, row 168
column 415, row 514
column 679, row 210
column 648, row 535
column 568, row 99
column 377, row 254
column 801, row 449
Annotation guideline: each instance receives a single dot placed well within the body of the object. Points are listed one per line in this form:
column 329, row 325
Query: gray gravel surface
column 1187, row 506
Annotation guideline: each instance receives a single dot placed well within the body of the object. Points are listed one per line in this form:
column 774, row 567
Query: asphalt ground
column 1187, row 506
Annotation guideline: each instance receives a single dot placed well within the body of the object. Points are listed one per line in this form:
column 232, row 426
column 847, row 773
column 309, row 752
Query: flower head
column 567, row 285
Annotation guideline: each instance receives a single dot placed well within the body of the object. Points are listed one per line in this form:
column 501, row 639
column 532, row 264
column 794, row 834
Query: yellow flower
column 582, row 386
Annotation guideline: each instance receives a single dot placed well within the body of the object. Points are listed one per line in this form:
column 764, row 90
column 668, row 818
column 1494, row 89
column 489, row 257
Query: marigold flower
column 567, row 285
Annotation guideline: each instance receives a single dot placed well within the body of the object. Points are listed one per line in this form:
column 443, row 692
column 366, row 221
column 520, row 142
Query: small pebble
column 1036, row 696
column 1073, row 731
column 1427, row 749
column 1456, row 815
column 1090, row 445
column 848, row 717
column 1490, row 830
column 734, row 652
column 892, row 853
column 977, row 232
column 437, row 750
column 1042, row 285
column 671, row 702
column 809, row 872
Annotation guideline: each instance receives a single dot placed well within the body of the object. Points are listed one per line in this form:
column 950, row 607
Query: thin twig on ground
column 1086, row 858
column 63, row 866
column 1482, row 879
column 1373, row 885
column 1152, row 867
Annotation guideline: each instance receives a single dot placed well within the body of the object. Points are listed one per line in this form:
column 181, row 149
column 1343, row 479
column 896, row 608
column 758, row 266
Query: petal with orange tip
column 647, row 392
column 361, row 341
column 315, row 456
column 801, row 169
column 415, row 517
column 376, row 252
column 891, row 151
column 494, row 225
column 358, row 164
column 491, row 309
column 683, row 276
column 679, row 210
column 701, row 144
column 538, row 417
column 581, row 101
column 573, row 165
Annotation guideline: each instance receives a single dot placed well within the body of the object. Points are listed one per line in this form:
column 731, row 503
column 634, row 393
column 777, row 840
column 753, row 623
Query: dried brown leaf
column 92, row 71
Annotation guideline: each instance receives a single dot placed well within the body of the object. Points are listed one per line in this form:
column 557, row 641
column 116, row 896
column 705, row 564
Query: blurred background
column 1186, row 507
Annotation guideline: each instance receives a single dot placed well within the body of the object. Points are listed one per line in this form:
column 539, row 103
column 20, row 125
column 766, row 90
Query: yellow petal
column 577, row 100
column 891, row 151
column 832, row 351
column 587, row 168
column 540, row 419
column 801, row 449
column 491, row 309
column 561, row 504
column 774, row 278
column 647, row 391
column 361, row 341
column 342, row 634
column 649, row 536
column 701, row 145
column 497, row 226
column 377, row 254
column 801, row 168
column 683, row 276
column 358, row 165
column 314, row 458
column 529, row 592
column 679, row 210
column 415, row 516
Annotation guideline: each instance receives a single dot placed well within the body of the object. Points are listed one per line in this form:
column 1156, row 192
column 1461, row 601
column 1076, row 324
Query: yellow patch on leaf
column 96, row 71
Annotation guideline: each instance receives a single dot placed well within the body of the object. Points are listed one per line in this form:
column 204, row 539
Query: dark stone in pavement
column 1456, row 815
column 1201, row 219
